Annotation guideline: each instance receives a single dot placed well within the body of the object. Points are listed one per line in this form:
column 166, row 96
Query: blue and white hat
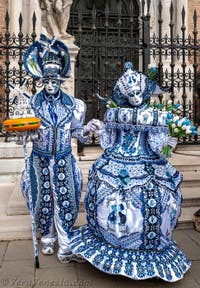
column 133, row 81
column 47, row 58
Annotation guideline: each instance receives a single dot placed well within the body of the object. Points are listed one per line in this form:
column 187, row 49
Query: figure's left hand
column 172, row 141
column 93, row 125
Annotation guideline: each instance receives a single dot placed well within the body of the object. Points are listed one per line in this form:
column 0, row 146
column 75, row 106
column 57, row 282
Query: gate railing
column 176, row 57
column 12, row 48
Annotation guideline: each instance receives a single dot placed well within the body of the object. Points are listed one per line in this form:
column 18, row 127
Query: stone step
column 16, row 204
column 6, row 190
column 12, row 150
column 18, row 227
column 15, row 227
column 188, row 167
column 14, row 218
column 191, row 196
column 16, row 223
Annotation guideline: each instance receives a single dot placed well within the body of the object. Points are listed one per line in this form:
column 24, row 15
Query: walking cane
column 30, row 200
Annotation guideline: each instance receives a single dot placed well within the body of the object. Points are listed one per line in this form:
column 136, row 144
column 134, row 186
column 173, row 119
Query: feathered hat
column 47, row 58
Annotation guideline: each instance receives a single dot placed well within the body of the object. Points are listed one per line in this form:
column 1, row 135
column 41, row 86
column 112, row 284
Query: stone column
column 34, row 6
column 14, row 9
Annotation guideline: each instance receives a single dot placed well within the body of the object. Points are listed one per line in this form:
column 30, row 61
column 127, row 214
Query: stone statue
column 55, row 16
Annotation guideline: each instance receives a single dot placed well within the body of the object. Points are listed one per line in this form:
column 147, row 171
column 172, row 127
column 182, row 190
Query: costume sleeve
column 78, row 121
column 157, row 140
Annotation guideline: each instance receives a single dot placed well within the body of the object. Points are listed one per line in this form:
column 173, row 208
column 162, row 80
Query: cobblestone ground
column 17, row 268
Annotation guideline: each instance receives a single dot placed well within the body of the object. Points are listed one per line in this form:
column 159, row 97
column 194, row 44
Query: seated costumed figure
column 55, row 178
column 133, row 197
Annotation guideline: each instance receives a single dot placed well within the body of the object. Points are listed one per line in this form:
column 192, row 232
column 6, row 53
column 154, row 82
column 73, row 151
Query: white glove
column 93, row 125
column 172, row 141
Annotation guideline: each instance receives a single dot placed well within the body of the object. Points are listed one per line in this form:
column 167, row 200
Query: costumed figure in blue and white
column 55, row 178
column 133, row 197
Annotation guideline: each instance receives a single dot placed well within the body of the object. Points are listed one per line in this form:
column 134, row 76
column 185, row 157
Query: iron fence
column 107, row 38
column 12, row 48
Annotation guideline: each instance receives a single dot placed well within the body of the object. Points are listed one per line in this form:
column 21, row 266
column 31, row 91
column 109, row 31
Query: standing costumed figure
column 133, row 199
column 55, row 179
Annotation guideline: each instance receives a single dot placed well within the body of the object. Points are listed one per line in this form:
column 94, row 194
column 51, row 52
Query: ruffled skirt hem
column 169, row 264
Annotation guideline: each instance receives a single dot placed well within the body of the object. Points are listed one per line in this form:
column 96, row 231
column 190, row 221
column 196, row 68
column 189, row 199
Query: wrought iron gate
column 109, row 33
column 12, row 48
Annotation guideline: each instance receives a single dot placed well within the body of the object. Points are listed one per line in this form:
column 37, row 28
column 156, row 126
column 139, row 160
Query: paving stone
column 65, row 276
column 98, row 279
column 51, row 261
column 19, row 250
column 186, row 282
column 194, row 271
column 194, row 235
column 187, row 245
column 17, row 274
column 3, row 247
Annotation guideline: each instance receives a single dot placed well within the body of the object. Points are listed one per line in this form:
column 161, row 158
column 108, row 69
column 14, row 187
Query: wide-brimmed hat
column 47, row 58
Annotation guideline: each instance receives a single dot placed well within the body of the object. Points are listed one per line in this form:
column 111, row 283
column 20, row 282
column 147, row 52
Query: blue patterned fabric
column 169, row 264
column 55, row 178
column 133, row 200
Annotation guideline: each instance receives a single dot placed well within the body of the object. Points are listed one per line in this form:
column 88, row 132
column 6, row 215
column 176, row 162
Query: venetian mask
column 132, row 86
column 51, row 86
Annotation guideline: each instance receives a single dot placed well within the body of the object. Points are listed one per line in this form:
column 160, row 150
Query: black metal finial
column 195, row 18
column 183, row 15
column 34, row 19
column 119, row 9
column 131, row 11
column 171, row 11
column 148, row 7
column 160, row 10
column 7, row 20
column 20, row 22
column 143, row 4
column 80, row 16
column 106, row 14
column 94, row 13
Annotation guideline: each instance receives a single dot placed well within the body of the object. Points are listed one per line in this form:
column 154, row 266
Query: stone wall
column 193, row 4
column 3, row 8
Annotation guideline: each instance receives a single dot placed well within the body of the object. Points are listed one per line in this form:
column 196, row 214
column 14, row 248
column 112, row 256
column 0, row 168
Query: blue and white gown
column 55, row 178
column 133, row 200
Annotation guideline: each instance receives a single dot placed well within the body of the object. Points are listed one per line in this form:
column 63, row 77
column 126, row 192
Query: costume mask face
column 135, row 99
column 134, row 96
column 132, row 86
column 51, row 86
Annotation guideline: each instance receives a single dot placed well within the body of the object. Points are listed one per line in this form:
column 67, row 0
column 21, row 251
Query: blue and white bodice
column 61, row 119
column 137, row 133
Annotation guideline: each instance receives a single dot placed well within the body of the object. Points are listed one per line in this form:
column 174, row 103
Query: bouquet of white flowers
column 178, row 127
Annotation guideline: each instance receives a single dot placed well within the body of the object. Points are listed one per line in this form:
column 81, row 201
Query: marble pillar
column 14, row 9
